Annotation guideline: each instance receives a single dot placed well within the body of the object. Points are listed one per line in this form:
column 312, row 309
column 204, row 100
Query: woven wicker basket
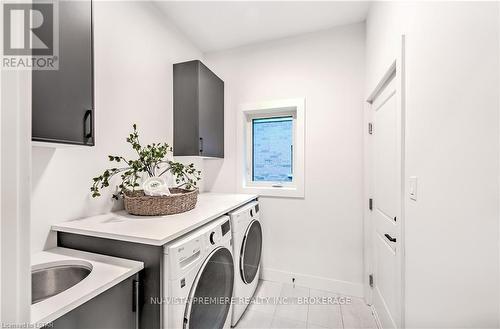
column 181, row 200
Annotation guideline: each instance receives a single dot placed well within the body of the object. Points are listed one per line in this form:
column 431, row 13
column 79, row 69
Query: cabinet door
column 186, row 140
column 113, row 309
column 211, row 113
column 63, row 100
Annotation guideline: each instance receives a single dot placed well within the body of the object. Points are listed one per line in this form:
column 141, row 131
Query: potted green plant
column 147, row 171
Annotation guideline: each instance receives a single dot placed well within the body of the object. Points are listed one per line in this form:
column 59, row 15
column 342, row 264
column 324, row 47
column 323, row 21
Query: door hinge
column 370, row 204
column 370, row 128
column 201, row 145
column 370, row 280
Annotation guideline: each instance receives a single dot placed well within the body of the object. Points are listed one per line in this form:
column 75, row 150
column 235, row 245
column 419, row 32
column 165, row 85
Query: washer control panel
column 185, row 253
column 244, row 215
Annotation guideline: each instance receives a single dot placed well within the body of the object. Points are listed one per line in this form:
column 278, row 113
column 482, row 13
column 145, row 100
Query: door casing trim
column 396, row 70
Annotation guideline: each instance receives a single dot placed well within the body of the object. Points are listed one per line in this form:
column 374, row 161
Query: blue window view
column 272, row 149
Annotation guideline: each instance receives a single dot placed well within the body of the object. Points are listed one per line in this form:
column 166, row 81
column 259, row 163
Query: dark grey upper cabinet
column 198, row 111
column 63, row 100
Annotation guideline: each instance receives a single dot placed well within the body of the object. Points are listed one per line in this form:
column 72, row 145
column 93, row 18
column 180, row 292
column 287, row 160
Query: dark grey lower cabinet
column 113, row 309
column 149, row 278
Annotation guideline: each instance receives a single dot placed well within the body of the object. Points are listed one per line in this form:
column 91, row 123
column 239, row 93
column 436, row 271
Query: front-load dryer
column 247, row 249
column 199, row 278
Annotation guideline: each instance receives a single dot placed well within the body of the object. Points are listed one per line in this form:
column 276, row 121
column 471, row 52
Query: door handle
column 88, row 126
column 201, row 145
column 390, row 238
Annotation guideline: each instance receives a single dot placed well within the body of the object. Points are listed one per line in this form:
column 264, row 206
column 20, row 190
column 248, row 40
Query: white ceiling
column 219, row 25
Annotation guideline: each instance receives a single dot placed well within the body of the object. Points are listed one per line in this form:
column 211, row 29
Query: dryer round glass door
column 250, row 252
column 210, row 297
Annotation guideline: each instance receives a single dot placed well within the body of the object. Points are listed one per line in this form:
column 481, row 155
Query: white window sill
column 284, row 192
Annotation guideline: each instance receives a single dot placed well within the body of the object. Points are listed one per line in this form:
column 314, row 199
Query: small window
column 272, row 144
column 272, row 149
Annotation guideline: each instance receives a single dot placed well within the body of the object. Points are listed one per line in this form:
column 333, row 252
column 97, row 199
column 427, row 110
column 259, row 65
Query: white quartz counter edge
column 106, row 272
column 155, row 230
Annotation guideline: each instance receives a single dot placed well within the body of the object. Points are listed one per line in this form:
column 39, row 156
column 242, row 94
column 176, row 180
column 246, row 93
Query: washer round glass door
column 250, row 252
column 210, row 297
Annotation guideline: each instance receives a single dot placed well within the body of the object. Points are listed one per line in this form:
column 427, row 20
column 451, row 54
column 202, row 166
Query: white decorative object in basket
column 155, row 186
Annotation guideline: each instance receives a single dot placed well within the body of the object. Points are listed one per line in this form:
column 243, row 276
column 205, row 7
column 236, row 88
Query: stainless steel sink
column 51, row 279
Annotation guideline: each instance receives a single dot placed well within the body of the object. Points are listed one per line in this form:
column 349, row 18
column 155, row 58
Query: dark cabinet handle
column 201, row 145
column 88, row 125
column 135, row 302
column 390, row 238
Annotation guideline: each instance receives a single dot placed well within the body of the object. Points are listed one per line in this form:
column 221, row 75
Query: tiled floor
column 324, row 310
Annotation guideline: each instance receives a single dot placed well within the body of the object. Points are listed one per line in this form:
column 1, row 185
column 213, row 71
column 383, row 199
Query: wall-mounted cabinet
column 198, row 111
column 63, row 99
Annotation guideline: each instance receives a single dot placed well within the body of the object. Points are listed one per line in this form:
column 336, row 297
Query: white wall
column 135, row 48
column 452, row 124
column 319, row 236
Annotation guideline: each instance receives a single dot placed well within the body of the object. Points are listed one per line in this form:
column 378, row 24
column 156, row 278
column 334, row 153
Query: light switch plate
column 412, row 188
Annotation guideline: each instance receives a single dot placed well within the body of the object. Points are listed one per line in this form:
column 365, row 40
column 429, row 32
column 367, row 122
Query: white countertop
column 155, row 230
column 106, row 272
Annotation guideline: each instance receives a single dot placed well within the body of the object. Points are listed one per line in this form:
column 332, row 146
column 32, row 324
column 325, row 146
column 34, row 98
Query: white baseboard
column 377, row 319
column 336, row 286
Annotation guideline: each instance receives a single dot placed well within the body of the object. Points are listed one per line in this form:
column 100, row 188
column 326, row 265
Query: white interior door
column 386, row 163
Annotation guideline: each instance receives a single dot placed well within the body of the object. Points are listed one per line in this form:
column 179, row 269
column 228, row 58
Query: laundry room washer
column 247, row 250
column 199, row 278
